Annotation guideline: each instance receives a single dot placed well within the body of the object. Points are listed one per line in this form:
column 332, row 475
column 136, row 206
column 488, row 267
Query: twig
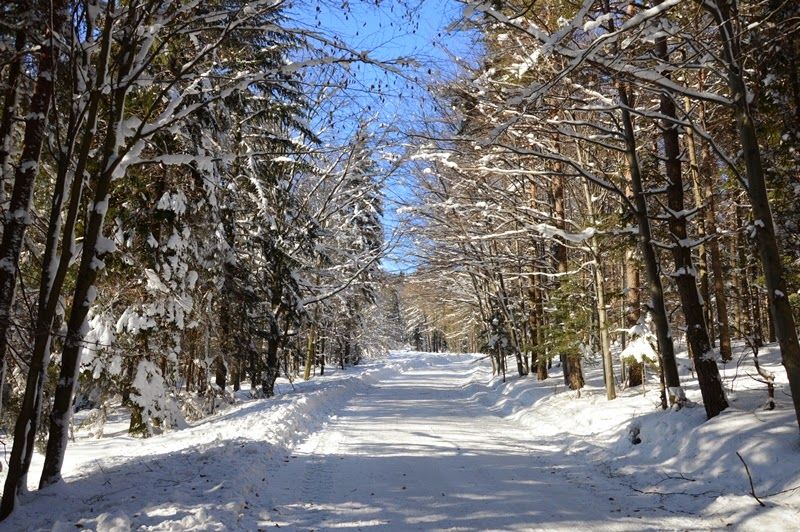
column 707, row 493
column 680, row 476
column 783, row 491
column 750, row 478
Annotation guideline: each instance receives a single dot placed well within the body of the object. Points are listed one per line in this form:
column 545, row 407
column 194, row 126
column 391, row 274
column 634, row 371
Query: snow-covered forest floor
column 432, row 441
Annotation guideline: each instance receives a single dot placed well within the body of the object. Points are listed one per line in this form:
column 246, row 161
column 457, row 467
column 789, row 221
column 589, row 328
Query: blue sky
column 421, row 31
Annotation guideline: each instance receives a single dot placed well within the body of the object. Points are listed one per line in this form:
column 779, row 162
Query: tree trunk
column 600, row 300
column 702, row 227
column 779, row 306
column 540, row 354
column 508, row 316
column 236, row 374
column 745, row 319
column 10, row 101
column 220, row 373
column 704, row 360
column 253, row 362
column 669, row 365
column 570, row 362
column 310, row 353
column 272, row 369
column 721, row 299
column 82, row 300
column 18, row 218
column 54, row 273
column 190, row 370
column 632, row 311
column 602, row 324
column 85, row 291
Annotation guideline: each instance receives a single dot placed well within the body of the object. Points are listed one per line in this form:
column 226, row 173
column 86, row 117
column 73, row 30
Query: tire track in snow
column 418, row 451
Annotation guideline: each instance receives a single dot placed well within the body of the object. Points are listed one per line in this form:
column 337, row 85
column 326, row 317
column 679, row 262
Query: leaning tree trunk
column 16, row 223
column 18, row 215
column 10, row 101
column 774, row 276
column 704, row 359
column 54, row 274
column 82, row 299
column 95, row 248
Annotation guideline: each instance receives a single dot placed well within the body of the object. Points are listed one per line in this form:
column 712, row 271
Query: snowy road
column 416, row 451
column 426, row 442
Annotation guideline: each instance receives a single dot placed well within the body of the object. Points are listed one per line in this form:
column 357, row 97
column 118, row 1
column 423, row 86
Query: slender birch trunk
column 11, row 103
column 600, row 298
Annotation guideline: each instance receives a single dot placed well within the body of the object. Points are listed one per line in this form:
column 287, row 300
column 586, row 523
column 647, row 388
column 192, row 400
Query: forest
column 206, row 200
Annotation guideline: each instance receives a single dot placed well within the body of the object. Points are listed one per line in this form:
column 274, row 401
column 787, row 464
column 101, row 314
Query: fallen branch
column 750, row 478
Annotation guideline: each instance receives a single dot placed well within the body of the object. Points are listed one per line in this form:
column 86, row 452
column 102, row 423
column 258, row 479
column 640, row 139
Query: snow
column 690, row 271
column 550, row 231
column 101, row 207
column 149, row 394
column 640, row 350
column 591, row 25
column 154, row 283
column 173, row 202
column 105, row 245
column 28, row 165
column 432, row 441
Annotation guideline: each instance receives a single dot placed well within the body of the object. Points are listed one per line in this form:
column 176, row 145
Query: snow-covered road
column 416, row 451
column 430, row 442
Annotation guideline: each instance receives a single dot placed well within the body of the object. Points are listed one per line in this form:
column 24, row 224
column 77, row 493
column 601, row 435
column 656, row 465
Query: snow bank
column 208, row 476
column 681, row 460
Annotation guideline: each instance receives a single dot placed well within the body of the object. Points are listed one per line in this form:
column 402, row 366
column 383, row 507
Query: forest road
column 417, row 451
